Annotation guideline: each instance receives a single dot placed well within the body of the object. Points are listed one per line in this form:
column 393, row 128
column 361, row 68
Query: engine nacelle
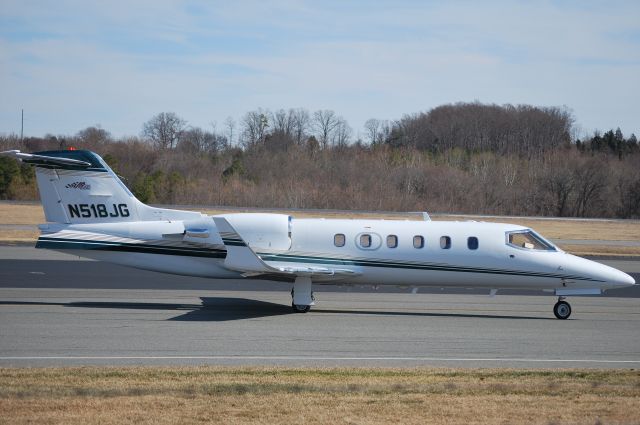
column 261, row 230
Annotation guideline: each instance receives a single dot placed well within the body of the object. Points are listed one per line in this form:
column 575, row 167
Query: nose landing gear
column 562, row 309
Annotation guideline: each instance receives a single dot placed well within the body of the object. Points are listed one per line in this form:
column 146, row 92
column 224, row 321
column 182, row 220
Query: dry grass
column 602, row 250
column 27, row 214
column 94, row 395
column 323, row 214
column 9, row 236
column 611, row 230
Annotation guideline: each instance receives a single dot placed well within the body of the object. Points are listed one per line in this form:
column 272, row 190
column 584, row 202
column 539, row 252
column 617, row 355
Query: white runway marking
column 318, row 358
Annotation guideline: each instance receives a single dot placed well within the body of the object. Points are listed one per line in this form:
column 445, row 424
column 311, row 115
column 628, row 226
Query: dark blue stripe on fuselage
column 53, row 243
column 233, row 242
column 414, row 266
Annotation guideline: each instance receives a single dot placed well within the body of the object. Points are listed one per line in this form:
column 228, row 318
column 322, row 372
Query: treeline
column 462, row 158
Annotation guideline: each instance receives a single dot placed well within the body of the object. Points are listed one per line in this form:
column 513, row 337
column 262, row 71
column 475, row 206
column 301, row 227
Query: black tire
column 562, row 310
column 300, row 308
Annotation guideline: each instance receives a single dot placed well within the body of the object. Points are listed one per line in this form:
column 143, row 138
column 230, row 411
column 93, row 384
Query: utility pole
column 22, row 125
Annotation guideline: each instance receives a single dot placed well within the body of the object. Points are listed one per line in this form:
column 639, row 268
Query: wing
column 240, row 257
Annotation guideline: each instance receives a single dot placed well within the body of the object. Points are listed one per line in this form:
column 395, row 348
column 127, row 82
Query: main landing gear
column 300, row 308
column 301, row 295
column 562, row 309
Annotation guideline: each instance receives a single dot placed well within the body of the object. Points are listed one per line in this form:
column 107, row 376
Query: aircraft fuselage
column 379, row 252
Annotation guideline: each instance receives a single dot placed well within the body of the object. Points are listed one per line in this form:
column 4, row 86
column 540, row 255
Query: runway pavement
column 65, row 311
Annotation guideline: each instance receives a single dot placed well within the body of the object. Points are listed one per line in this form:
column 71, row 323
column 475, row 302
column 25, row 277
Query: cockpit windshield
column 528, row 239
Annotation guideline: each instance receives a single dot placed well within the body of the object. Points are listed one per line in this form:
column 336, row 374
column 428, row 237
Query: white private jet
column 91, row 213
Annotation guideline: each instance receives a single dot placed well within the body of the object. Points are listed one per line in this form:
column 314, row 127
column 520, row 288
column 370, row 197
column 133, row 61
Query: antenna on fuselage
column 425, row 216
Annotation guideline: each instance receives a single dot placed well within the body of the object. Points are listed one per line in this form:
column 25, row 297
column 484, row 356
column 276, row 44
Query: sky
column 115, row 64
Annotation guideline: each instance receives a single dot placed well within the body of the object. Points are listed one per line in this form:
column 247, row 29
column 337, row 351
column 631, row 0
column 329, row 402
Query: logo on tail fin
column 79, row 185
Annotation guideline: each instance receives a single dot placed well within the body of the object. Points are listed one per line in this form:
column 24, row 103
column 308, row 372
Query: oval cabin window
column 365, row 241
column 445, row 242
column 472, row 242
column 418, row 242
column 339, row 239
column 392, row 241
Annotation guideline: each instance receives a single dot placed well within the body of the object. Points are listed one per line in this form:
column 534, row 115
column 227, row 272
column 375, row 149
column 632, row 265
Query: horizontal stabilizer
column 45, row 160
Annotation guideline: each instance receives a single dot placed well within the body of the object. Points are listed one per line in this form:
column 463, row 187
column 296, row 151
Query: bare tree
column 342, row 133
column 559, row 185
column 164, row 130
column 372, row 128
column 468, row 157
column 628, row 191
column 590, row 179
column 196, row 139
column 282, row 122
column 230, row 125
column 254, row 127
column 325, row 122
column 300, row 124
column 521, row 129
column 94, row 135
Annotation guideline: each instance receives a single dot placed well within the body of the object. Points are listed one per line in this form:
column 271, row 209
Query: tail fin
column 77, row 186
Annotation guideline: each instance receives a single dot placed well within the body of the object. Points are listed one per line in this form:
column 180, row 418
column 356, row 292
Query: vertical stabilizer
column 77, row 186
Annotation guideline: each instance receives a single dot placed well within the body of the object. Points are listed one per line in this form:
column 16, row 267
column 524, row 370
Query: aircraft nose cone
column 620, row 279
column 611, row 277
column 629, row 280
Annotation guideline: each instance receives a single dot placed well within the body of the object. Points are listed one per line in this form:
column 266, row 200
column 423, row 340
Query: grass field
column 159, row 395
column 612, row 230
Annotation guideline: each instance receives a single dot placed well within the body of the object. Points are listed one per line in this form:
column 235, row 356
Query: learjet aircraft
column 92, row 214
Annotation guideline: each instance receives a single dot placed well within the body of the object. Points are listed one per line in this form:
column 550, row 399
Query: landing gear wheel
column 562, row 310
column 300, row 308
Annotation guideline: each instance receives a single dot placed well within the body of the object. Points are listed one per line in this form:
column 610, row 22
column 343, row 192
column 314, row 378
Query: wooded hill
column 461, row 158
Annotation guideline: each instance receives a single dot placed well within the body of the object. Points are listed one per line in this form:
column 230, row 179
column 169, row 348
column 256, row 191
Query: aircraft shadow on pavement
column 230, row 308
column 225, row 309
column 210, row 310
column 429, row 314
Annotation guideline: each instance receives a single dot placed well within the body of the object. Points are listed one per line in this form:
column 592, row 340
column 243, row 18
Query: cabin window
column 418, row 242
column 339, row 239
column 365, row 241
column 445, row 242
column 392, row 241
column 528, row 239
column 472, row 242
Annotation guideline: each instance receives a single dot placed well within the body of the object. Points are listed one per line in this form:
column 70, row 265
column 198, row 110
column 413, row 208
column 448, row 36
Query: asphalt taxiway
column 57, row 310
